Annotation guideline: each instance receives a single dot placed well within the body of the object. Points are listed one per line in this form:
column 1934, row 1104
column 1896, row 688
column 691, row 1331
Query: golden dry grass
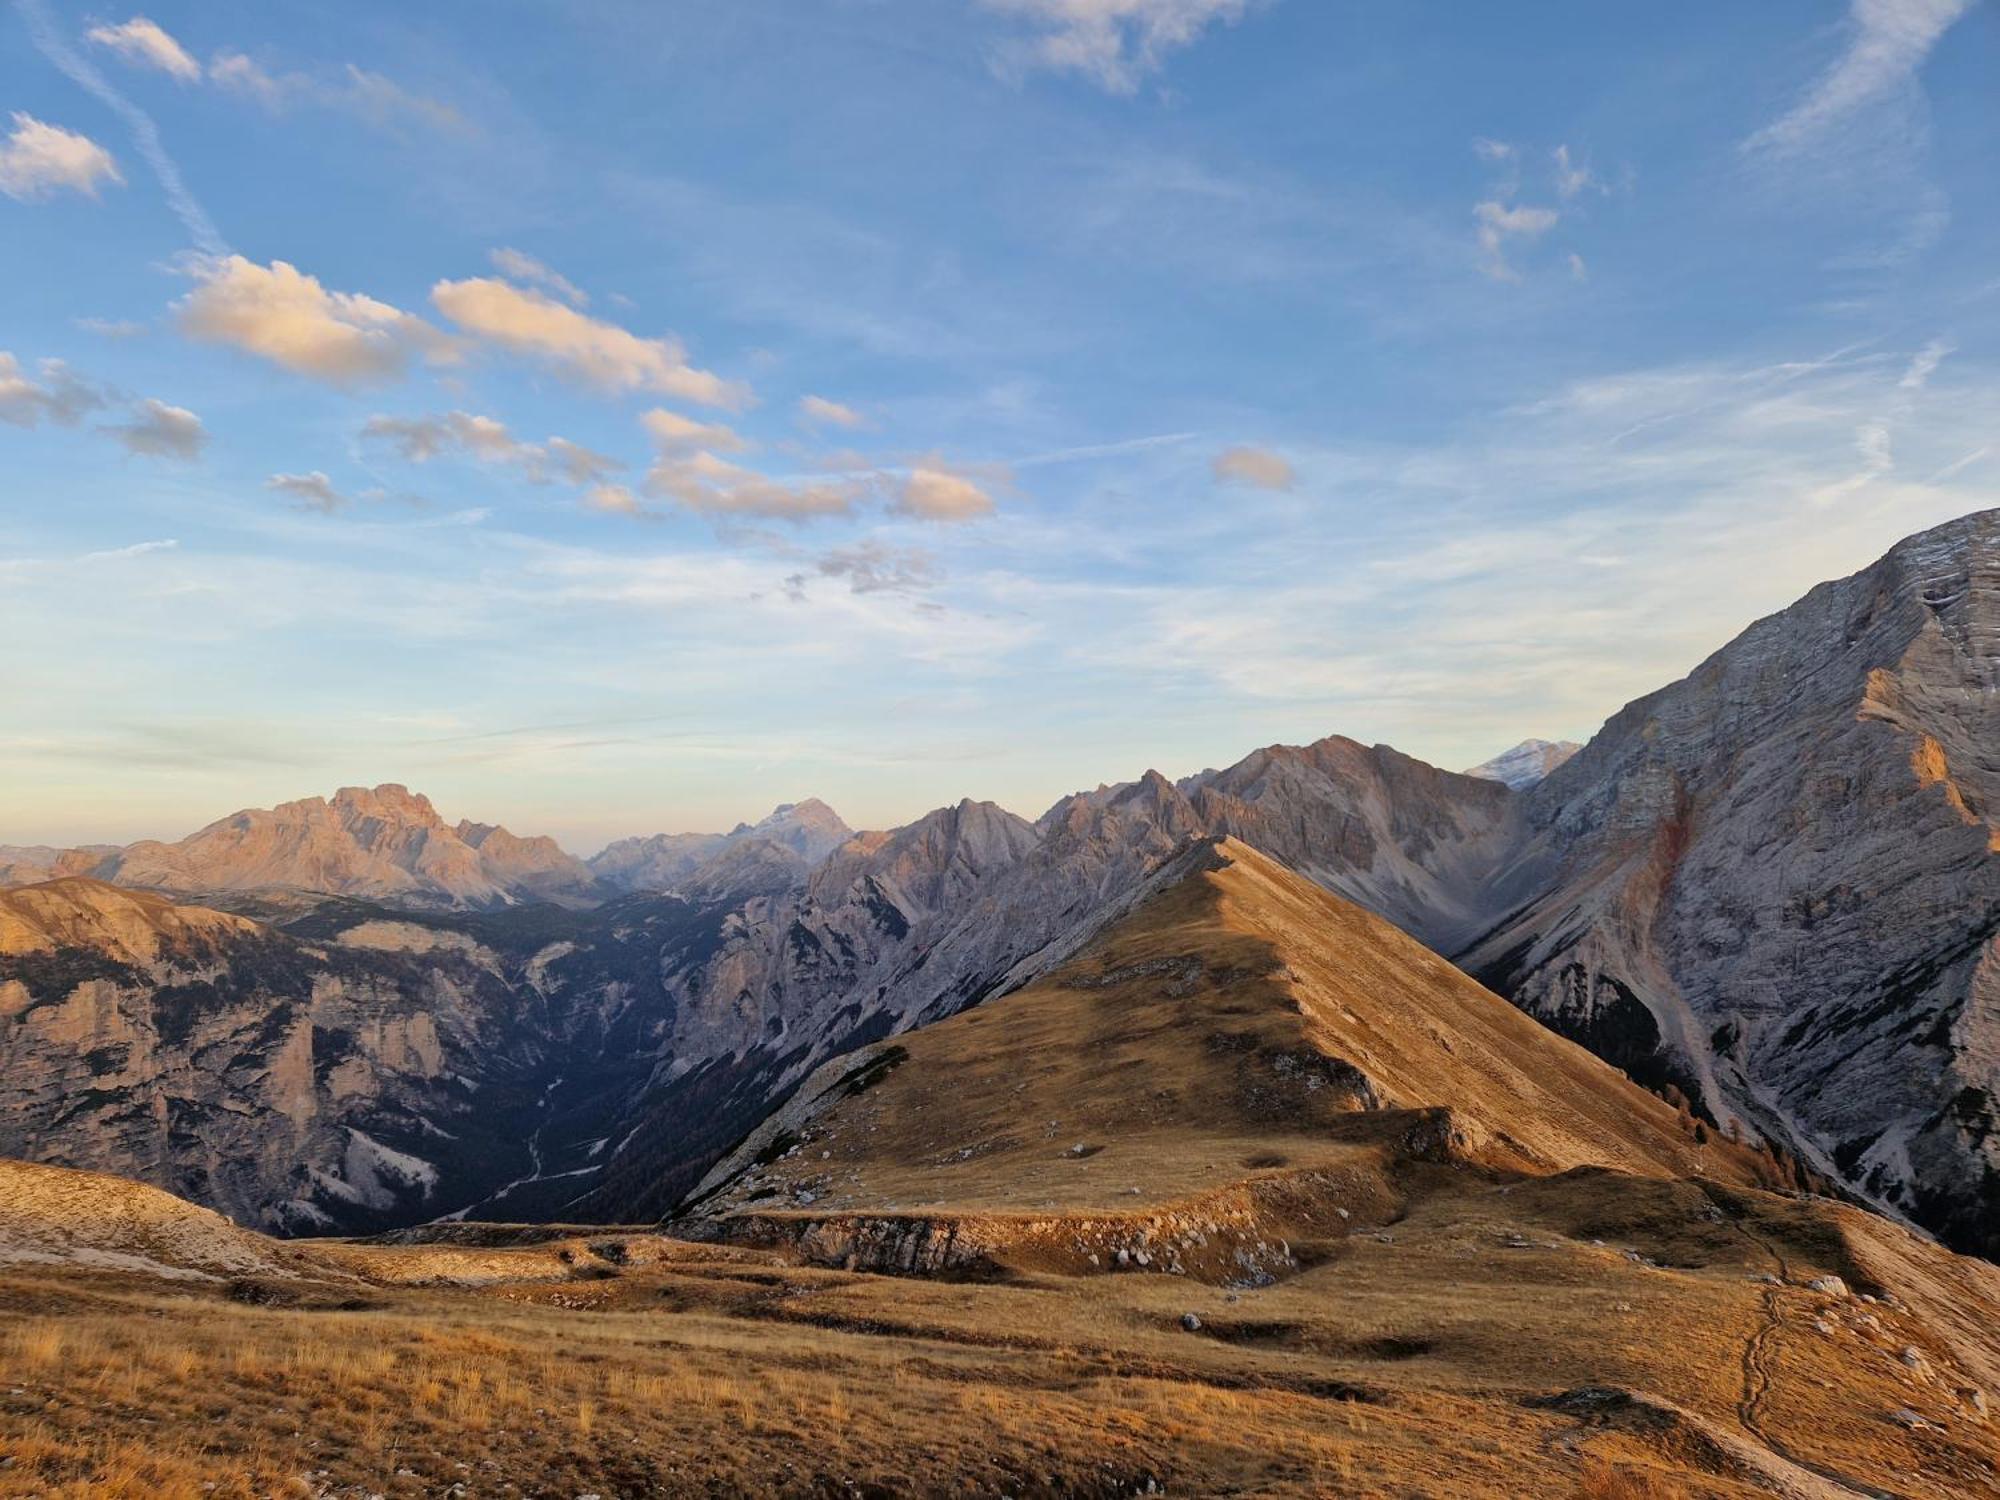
column 1551, row 1307
column 1425, row 1363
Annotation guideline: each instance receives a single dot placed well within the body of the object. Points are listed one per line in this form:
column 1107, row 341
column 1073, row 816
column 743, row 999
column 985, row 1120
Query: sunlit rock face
column 1774, row 882
column 383, row 843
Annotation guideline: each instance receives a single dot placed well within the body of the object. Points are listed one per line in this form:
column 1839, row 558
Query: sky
column 620, row 416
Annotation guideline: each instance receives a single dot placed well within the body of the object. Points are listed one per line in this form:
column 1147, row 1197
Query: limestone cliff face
column 1775, row 882
column 289, row 1085
column 383, row 843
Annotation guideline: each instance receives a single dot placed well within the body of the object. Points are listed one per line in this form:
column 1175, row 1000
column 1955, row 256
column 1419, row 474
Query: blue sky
column 612, row 417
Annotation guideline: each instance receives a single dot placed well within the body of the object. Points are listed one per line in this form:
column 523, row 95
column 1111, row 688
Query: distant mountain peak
column 384, row 843
column 709, row 863
column 1526, row 764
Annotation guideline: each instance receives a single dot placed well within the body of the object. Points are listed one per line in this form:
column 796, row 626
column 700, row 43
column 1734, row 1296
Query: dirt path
column 1757, row 1370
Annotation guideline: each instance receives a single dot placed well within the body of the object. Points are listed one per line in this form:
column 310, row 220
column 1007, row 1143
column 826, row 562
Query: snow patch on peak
column 1526, row 764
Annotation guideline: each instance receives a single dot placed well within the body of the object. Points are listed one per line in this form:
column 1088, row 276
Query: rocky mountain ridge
column 1770, row 875
column 382, row 843
column 751, row 859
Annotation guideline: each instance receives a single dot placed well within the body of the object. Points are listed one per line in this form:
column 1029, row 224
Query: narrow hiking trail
column 1757, row 1365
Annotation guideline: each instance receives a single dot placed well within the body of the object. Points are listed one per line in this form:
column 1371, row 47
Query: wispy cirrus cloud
column 1114, row 43
column 350, row 89
column 1887, row 44
column 818, row 411
column 518, row 265
column 53, row 45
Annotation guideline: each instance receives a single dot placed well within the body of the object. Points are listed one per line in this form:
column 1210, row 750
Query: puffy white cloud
column 517, row 265
column 1116, row 43
column 712, row 486
column 1254, row 466
column 614, row 500
column 587, row 349
column 280, row 313
column 38, row 159
column 672, row 432
column 1888, row 42
column 932, row 492
column 312, row 491
column 158, row 430
column 421, row 439
column 1499, row 223
column 59, row 396
column 1488, row 149
column 821, row 412
column 144, row 44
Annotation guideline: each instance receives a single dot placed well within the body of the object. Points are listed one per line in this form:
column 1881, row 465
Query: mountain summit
column 382, row 843
column 795, row 837
column 1242, row 1040
column 1527, row 763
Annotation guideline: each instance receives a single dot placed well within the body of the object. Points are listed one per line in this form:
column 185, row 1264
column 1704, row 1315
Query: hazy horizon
column 629, row 417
